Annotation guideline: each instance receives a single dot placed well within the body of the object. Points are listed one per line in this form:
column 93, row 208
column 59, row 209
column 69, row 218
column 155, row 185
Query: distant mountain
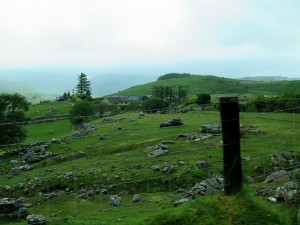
column 268, row 78
column 32, row 94
column 196, row 84
column 9, row 87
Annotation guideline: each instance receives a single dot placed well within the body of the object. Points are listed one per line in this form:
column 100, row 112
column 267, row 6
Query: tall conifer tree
column 84, row 85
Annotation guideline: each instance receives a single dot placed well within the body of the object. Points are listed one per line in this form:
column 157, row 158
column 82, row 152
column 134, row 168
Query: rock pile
column 286, row 192
column 193, row 137
column 205, row 187
column 283, row 160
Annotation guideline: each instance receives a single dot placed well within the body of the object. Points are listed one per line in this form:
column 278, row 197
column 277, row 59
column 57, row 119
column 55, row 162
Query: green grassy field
column 39, row 110
column 119, row 150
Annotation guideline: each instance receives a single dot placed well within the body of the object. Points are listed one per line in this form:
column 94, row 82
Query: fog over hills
column 55, row 85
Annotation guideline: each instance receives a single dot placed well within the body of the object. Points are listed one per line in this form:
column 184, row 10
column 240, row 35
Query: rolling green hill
column 215, row 85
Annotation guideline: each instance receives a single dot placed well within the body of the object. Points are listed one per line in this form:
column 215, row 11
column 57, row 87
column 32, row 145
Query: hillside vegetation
column 196, row 84
column 79, row 170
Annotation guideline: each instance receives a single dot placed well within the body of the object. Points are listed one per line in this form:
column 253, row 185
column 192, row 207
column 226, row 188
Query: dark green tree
column 203, row 99
column 84, row 85
column 158, row 91
column 154, row 104
column 101, row 107
column 182, row 94
column 12, row 108
column 81, row 112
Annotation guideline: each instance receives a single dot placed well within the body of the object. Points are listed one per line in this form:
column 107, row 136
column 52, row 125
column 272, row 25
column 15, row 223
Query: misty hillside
column 31, row 93
column 7, row 86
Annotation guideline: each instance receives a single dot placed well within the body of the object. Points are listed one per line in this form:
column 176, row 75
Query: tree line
column 173, row 76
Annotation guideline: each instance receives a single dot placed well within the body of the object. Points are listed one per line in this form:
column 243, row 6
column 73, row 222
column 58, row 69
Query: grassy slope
column 214, row 85
column 41, row 109
column 122, row 156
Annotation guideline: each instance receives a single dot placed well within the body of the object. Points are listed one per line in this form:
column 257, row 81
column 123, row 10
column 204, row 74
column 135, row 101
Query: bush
column 81, row 112
column 154, row 104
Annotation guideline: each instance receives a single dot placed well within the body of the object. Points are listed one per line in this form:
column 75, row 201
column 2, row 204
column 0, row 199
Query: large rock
column 34, row 219
column 173, row 122
column 115, row 200
column 22, row 213
column 211, row 128
column 202, row 164
column 180, row 202
column 279, row 175
column 9, row 205
column 160, row 150
column 137, row 198
column 32, row 157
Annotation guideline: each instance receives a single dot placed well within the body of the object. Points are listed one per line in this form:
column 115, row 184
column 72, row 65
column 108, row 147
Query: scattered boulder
column 193, row 137
column 167, row 142
column 22, row 168
column 32, row 157
column 35, row 219
column 168, row 169
column 173, row 122
column 160, row 150
column 59, row 158
column 12, row 208
column 203, row 164
column 180, row 202
column 22, row 213
column 211, row 128
column 78, row 154
column 205, row 187
column 208, row 136
column 249, row 179
column 115, row 200
column 9, row 205
column 136, row 198
column 155, row 168
column 264, row 191
column 14, row 162
column 277, row 176
column 283, row 159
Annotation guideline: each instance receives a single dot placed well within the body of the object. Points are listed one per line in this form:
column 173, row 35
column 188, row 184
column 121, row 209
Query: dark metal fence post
column 231, row 145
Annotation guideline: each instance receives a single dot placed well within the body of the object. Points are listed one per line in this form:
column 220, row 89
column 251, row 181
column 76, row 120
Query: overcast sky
column 232, row 38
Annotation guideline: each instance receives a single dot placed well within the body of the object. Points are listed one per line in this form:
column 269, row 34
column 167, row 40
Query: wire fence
column 125, row 166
